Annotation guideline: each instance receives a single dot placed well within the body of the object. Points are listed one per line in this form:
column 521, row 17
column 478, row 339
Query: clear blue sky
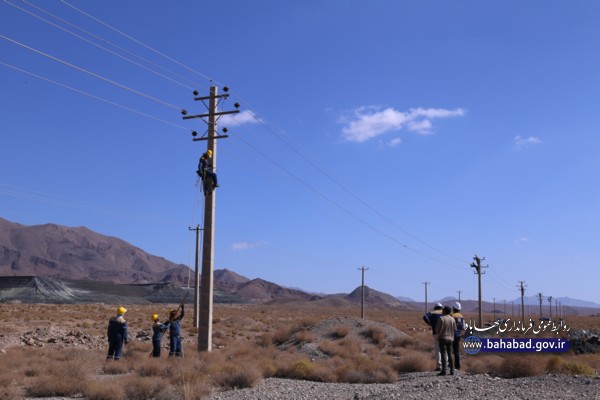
column 402, row 136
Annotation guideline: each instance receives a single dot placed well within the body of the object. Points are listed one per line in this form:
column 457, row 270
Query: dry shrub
column 403, row 341
column 481, row 364
column 235, row 376
column 299, row 369
column 555, row 364
column 141, row 388
column 283, row 334
column 114, row 367
column 369, row 370
column 152, row 367
column 518, row 366
column 339, row 332
column 54, row 385
column 376, row 334
column 95, row 390
column 346, row 348
column 413, row 361
column 304, row 337
column 578, row 368
column 8, row 391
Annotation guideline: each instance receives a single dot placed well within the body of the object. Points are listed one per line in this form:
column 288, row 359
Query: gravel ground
column 425, row 385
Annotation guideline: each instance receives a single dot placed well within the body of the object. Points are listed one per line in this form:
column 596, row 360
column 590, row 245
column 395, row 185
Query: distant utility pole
column 477, row 266
column 196, row 277
column 540, row 298
column 459, row 292
column 522, row 288
column 426, row 305
column 362, row 297
column 206, row 287
column 494, row 309
column 550, row 301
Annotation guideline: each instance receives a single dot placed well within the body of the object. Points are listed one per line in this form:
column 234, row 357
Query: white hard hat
column 456, row 306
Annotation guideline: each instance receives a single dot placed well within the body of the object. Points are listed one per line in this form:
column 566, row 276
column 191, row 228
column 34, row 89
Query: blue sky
column 405, row 137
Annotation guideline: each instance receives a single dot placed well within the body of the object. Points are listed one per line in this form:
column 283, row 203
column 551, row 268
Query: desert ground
column 271, row 351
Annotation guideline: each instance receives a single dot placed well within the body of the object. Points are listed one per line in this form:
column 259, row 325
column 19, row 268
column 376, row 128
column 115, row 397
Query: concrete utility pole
column 477, row 266
column 550, row 301
column 206, row 287
column 522, row 288
column 426, row 305
column 362, row 293
column 540, row 298
column 196, row 277
column 459, row 292
column 494, row 309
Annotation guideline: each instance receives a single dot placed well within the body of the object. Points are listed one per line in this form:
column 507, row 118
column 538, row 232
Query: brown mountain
column 260, row 290
column 228, row 281
column 373, row 297
column 79, row 253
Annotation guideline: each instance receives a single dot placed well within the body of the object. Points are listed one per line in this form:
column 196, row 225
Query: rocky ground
column 425, row 385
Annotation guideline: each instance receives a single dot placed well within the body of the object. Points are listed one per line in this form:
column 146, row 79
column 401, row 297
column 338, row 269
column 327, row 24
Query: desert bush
column 346, row 348
column 8, row 391
column 369, row 370
column 339, row 332
column 152, row 367
column 578, row 368
column 403, row 341
column 304, row 337
column 375, row 334
column 519, row 366
column 141, row 388
column 235, row 376
column 54, row 385
column 413, row 361
column 481, row 364
column 555, row 364
column 98, row 390
column 114, row 367
column 283, row 334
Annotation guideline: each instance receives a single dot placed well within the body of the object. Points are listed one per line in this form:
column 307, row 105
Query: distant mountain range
column 78, row 255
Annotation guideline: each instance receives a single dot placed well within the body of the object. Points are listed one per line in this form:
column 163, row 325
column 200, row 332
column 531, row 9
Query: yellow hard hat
column 121, row 310
column 209, row 152
column 154, row 317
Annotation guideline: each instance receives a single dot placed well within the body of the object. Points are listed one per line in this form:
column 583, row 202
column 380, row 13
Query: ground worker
column 431, row 319
column 205, row 168
column 175, row 347
column 460, row 327
column 158, row 330
column 117, row 335
column 445, row 328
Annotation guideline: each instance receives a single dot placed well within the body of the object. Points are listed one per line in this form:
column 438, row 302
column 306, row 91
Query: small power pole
column 494, row 309
column 550, row 301
column 540, row 298
column 522, row 288
column 206, row 287
column 426, row 305
column 196, row 277
column 362, row 293
column 459, row 292
column 477, row 266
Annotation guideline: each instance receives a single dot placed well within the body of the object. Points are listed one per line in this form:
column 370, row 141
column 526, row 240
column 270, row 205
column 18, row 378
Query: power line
column 94, row 96
column 92, row 74
column 139, row 42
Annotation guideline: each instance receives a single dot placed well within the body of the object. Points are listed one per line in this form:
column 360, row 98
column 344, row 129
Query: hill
column 79, row 253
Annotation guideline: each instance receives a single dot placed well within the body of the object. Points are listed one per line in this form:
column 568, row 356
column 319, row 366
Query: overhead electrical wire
column 139, row 42
column 183, row 78
column 149, row 97
column 94, row 96
column 270, row 129
column 99, row 46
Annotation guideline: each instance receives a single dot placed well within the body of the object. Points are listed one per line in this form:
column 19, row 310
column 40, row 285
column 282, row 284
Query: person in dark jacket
column 117, row 335
column 175, row 347
column 460, row 327
column 205, row 169
column 158, row 330
column 431, row 319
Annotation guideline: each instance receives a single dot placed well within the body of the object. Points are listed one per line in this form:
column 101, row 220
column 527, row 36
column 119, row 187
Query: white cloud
column 394, row 142
column 245, row 245
column 521, row 142
column 368, row 122
column 244, row 117
column 522, row 240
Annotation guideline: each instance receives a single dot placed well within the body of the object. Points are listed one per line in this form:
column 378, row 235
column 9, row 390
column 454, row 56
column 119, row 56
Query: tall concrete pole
column 477, row 266
column 426, row 305
column 196, row 278
column 362, row 299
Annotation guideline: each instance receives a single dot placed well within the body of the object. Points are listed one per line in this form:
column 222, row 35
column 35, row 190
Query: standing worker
column 158, row 330
column 431, row 319
column 460, row 326
column 445, row 328
column 175, row 347
column 117, row 335
column 205, row 169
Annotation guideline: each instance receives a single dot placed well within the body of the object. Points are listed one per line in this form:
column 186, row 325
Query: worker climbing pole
column 209, row 183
